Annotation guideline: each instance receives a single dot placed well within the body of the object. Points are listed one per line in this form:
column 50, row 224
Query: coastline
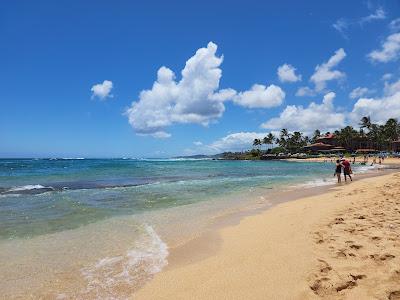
column 271, row 253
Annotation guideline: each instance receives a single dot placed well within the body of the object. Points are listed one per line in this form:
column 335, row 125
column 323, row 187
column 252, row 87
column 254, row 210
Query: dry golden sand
column 343, row 244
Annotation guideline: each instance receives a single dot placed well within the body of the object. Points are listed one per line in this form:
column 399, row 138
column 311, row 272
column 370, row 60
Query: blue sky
column 72, row 73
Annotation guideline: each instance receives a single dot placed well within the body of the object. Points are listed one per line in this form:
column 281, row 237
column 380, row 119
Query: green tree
column 316, row 135
column 271, row 139
column 257, row 143
column 391, row 130
column 346, row 137
column 365, row 122
column 265, row 141
column 284, row 137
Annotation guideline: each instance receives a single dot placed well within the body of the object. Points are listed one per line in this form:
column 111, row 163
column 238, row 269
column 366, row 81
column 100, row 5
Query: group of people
column 343, row 164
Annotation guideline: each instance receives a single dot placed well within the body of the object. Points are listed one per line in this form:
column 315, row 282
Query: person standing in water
column 346, row 169
column 338, row 171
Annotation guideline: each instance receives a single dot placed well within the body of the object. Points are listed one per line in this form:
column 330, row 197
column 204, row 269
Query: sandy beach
column 343, row 244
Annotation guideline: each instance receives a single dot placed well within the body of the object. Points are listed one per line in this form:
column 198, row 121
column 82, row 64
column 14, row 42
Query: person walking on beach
column 346, row 169
column 338, row 171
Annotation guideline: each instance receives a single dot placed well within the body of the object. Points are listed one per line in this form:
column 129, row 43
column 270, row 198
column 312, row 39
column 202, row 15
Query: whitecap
column 28, row 187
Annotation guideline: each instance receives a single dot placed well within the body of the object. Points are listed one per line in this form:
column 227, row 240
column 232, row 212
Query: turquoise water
column 39, row 196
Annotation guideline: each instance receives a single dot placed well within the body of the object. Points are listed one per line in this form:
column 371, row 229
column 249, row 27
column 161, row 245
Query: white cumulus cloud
column 358, row 92
column 326, row 72
column 316, row 116
column 238, row 141
column 260, row 96
column 102, row 90
column 287, row 73
column 390, row 50
column 193, row 99
column 305, row 91
column 391, row 88
column 380, row 109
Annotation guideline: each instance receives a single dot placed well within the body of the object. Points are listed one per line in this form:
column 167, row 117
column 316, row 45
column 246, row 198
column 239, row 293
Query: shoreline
column 217, row 245
column 189, row 246
column 205, row 242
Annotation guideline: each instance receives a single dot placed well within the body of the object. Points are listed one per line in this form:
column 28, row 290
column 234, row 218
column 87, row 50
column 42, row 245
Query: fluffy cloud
column 387, row 76
column 392, row 88
column 260, row 96
column 358, row 92
column 390, row 50
column 395, row 24
column 102, row 90
column 298, row 118
column 238, row 141
column 379, row 109
column 305, row 91
column 287, row 73
column 193, row 99
column 325, row 72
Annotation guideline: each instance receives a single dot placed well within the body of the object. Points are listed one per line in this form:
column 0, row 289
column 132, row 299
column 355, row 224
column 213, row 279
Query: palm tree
column 284, row 136
column 376, row 136
column 317, row 134
column 391, row 129
column 346, row 137
column 296, row 141
column 257, row 143
column 284, row 133
column 271, row 139
column 266, row 142
column 365, row 122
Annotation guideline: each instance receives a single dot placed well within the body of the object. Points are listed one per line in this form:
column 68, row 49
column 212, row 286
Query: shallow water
column 99, row 228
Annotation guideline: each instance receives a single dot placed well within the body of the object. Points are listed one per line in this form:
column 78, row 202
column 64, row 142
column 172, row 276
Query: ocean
column 100, row 228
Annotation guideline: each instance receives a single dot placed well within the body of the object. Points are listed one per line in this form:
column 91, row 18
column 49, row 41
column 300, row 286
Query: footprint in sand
column 395, row 295
column 355, row 247
column 347, row 285
column 383, row 257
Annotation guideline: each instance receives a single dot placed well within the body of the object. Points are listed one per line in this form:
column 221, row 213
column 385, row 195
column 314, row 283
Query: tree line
column 369, row 135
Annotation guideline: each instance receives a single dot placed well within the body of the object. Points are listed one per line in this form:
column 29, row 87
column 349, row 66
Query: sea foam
column 110, row 276
column 28, row 187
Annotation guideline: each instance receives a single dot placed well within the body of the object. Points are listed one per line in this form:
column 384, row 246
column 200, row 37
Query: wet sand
column 342, row 244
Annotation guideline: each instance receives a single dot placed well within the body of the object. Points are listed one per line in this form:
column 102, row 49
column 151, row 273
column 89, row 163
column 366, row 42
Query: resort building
column 396, row 146
column 328, row 139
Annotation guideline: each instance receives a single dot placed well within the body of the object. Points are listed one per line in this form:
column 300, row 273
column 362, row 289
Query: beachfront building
column 327, row 139
column 396, row 146
column 330, row 142
column 324, row 143
column 317, row 147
